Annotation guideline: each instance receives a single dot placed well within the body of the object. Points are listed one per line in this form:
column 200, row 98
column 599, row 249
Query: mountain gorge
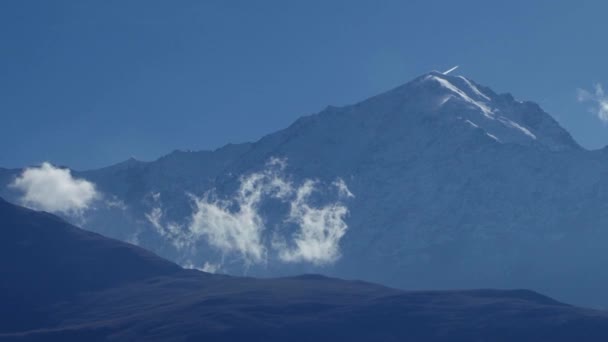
column 437, row 184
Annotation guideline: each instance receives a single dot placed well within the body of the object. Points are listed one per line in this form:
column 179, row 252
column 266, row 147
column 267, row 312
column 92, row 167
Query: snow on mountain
column 452, row 185
column 501, row 117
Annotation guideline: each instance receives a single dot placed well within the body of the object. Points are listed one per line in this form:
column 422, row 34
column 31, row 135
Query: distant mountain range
column 60, row 283
column 438, row 184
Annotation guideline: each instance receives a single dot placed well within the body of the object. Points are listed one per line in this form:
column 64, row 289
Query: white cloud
column 155, row 216
column 54, row 189
column 207, row 267
column 599, row 100
column 210, row 268
column 231, row 232
column 320, row 229
column 116, row 203
column 235, row 226
column 174, row 232
column 342, row 188
column 133, row 238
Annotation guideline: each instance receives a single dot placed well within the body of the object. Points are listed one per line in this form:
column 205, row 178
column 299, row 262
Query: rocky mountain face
column 437, row 184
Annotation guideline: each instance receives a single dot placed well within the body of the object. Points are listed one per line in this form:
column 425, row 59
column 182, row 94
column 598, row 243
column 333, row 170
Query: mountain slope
column 137, row 296
column 44, row 259
column 454, row 186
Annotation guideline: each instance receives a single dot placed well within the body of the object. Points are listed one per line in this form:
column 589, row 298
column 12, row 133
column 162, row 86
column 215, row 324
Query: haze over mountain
column 61, row 283
column 437, row 184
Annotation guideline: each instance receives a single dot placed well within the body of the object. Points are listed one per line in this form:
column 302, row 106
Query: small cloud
column 54, row 189
column 320, row 229
column 598, row 99
column 116, row 203
column 171, row 231
column 154, row 217
column 342, row 188
column 237, row 231
column 133, row 239
column 207, row 267
column 211, row 268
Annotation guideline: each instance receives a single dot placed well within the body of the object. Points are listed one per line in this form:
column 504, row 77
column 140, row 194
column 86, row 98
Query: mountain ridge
column 505, row 97
column 438, row 203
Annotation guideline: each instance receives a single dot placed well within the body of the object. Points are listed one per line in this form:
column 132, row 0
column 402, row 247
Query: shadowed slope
column 61, row 283
column 44, row 259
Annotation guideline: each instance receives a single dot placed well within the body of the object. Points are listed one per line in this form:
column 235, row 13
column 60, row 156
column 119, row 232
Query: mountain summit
column 499, row 117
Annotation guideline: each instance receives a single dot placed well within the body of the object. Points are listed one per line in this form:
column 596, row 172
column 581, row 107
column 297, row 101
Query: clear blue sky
column 90, row 83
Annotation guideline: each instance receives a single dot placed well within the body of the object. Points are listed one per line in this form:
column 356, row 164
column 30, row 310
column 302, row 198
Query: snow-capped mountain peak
column 501, row 117
column 455, row 91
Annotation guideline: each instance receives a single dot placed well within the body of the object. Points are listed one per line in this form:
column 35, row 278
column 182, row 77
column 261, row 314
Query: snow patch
column 488, row 112
column 446, row 84
column 471, row 123
column 492, row 136
column 474, row 88
column 516, row 126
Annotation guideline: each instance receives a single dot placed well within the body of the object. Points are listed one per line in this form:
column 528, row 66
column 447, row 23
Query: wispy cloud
column 232, row 225
column 54, row 189
column 598, row 99
column 236, row 226
column 211, row 268
column 230, row 231
column 207, row 267
column 320, row 229
column 171, row 231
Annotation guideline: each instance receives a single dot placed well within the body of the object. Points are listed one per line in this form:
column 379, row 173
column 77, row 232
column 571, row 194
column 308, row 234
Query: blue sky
column 90, row 83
